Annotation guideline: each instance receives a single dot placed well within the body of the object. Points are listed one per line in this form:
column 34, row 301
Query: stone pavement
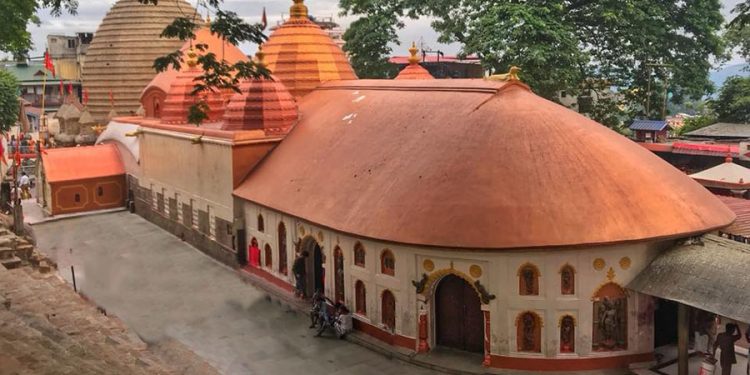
column 164, row 289
column 46, row 328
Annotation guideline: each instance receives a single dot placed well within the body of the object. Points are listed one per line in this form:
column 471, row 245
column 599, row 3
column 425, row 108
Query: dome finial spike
column 413, row 59
column 298, row 10
column 192, row 58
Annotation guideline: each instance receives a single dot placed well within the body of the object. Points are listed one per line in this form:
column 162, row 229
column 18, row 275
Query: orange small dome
column 302, row 55
column 179, row 98
column 263, row 104
column 414, row 70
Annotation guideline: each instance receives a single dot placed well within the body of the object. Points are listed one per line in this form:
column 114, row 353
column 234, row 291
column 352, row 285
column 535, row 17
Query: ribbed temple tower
column 121, row 56
column 302, row 55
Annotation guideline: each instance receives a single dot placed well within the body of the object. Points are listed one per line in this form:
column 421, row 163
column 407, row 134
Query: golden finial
column 260, row 57
column 298, row 10
column 413, row 59
column 98, row 129
column 192, row 58
column 512, row 75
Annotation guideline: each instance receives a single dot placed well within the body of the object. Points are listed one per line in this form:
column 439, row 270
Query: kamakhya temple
column 465, row 213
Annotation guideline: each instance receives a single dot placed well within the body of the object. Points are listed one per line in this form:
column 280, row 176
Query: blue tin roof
column 651, row 125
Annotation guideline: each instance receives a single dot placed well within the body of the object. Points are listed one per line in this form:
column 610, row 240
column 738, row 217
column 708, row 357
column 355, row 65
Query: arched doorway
column 314, row 267
column 459, row 322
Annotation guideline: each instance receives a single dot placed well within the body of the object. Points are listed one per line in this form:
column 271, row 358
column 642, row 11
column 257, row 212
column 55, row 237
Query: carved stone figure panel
column 610, row 329
column 567, row 334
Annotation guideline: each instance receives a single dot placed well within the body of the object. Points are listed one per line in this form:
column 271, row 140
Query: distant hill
column 719, row 76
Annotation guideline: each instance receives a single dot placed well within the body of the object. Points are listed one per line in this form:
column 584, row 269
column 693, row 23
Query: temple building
column 727, row 178
column 445, row 213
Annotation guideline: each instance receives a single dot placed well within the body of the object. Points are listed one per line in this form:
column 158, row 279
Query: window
column 261, row 226
column 567, row 280
column 388, row 311
column 567, row 334
column 360, row 298
column 77, row 198
column 359, row 255
column 187, row 215
column 282, row 249
column 99, row 191
column 160, row 202
column 528, row 280
column 387, row 263
column 529, row 332
column 268, row 254
column 71, row 43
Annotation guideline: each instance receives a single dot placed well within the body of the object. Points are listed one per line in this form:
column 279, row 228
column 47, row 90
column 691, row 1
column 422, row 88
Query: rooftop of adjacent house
column 649, row 125
column 472, row 164
column 725, row 175
column 741, row 208
column 722, row 130
column 28, row 73
column 82, row 163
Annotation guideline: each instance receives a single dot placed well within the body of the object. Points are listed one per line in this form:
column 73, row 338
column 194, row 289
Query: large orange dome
column 179, row 98
column 472, row 164
column 122, row 54
column 302, row 55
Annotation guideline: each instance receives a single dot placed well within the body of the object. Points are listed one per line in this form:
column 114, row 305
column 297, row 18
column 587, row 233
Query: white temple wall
column 594, row 267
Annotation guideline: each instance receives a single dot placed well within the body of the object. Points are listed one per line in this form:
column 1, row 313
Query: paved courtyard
column 164, row 289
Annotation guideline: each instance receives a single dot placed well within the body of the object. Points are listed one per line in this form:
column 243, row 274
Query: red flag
column 85, row 96
column 62, row 90
column 70, row 88
column 48, row 63
column 2, row 154
column 111, row 98
column 264, row 19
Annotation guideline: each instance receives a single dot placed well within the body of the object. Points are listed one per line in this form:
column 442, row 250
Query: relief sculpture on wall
column 610, row 319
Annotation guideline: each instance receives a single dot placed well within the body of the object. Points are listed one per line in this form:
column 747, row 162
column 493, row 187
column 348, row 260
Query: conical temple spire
column 298, row 10
column 413, row 59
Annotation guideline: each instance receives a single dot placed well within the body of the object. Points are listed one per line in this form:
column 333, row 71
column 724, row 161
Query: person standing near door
column 725, row 341
column 300, row 271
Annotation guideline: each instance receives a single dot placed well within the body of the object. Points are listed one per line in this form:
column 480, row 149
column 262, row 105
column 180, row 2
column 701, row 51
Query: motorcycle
column 328, row 314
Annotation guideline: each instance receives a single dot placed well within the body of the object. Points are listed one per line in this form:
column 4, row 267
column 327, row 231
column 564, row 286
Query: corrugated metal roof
column 710, row 274
column 722, row 130
column 741, row 208
column 650, row 125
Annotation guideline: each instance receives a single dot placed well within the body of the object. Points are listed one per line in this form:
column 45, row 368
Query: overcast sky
column 91, row 12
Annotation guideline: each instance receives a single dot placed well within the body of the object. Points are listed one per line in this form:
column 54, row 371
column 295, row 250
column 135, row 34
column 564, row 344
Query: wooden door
column 459, row 319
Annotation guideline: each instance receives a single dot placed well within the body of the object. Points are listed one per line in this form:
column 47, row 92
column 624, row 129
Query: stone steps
column 11, row 263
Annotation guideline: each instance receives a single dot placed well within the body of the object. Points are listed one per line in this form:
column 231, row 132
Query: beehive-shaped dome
column 123, row 50
column 180, row 97
column 263, row 104
column 302, row 55
column 414, row 70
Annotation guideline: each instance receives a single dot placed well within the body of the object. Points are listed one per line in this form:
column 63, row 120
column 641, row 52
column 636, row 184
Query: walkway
column 162, row 288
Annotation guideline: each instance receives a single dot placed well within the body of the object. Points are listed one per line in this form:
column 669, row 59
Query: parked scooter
column 328, row 314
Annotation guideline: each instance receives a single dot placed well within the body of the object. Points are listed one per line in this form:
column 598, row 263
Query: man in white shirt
column 24, row 183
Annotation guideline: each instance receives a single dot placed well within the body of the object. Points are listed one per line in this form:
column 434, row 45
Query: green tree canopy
column 16, row 16
column 578, row 46
column 733, row 102
column 8, row 100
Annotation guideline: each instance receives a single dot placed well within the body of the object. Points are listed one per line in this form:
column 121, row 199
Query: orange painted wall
column 64, row 195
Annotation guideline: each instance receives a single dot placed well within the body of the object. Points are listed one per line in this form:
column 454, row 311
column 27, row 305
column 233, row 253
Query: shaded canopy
column 710, row 274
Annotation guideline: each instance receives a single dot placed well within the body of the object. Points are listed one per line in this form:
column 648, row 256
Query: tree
column 17, row 14
column 370, row 35
column 697, row 122
column 570, row 44
column 738, row 30
column 733, row 103
column 9, row 109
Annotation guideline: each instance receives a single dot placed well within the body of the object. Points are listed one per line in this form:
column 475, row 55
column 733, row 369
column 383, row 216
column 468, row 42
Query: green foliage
column 697, row 122
column 8, row 100
column 733, row 103
column 742, row 20
column 566, row 44
column 367, row 44
column 197, row 113
column 739, row 39
column 17, row 14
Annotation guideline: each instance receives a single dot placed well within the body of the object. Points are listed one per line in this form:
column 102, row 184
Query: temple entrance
column 459, row 322
column 314, row 266
column 665, row 323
